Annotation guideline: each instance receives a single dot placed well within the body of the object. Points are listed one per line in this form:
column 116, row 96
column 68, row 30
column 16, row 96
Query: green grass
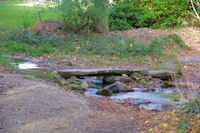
column 12, row 47
column 50, row 77
column 22, row 42
column 5, row 61
column 13, row 14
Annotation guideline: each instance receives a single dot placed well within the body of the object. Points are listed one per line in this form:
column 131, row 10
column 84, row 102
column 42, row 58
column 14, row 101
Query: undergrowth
column 183, row 119
column 40, row 43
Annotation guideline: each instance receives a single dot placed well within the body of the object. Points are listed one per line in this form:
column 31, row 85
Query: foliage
column 195, row 6
column 80, row 15
column 38, row 44
column 148, row 13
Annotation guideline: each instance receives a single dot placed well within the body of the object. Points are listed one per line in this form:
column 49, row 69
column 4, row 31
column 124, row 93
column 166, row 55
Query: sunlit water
column 27, row 65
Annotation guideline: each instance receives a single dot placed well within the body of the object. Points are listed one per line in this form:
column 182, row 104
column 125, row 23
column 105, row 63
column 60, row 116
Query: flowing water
column 158, row 98
column 24, row 64
column 27, row 65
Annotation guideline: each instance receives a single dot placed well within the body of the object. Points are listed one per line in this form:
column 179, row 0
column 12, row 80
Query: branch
column 196, row 15
column 81, row 27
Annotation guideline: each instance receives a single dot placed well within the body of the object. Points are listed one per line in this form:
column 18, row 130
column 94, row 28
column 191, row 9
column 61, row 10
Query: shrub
column 148, row 13
column 80, row 15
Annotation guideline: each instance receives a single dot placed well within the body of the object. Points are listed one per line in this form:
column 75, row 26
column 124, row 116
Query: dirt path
column 33, row 106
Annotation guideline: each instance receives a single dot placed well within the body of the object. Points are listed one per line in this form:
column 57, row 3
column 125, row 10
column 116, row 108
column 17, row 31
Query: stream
column 158, row 97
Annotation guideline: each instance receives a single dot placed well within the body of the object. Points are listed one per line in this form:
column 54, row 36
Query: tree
column 100, row 22
column 81, row 15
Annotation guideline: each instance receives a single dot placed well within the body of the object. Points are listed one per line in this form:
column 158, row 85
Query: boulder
column 124, row 75
column 123, row 88
column 162, row 74
column 136, row 76
column 148, row 78
column 119, row 87
column 50, row 25
column 112, row 87
column 105, row 92
column 74, row 80
column 77, row 83
column 74, row 87
column 114, row 78
column 84, row 85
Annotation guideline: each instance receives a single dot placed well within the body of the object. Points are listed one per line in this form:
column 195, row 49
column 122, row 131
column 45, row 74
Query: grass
column 105, row 46
column 50, row 77
column 12, row 47
column 18, row 14
column 7, row 62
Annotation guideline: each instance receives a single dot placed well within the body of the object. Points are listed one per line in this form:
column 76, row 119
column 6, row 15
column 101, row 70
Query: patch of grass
column 178, row 41
column 20, row 14
column 12, row 47
column 7, row 62
column 27, row 77
column 46, row 76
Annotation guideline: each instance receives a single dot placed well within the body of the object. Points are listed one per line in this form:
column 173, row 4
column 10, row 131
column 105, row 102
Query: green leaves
column 148, row 13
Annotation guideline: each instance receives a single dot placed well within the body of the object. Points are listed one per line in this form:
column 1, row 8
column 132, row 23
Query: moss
column 105, row 92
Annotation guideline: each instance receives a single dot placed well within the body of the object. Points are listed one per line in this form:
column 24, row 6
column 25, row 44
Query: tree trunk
column 101, row 23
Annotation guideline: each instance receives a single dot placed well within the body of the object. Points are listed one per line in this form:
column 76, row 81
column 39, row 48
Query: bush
column 80, row 15
column 148, row 13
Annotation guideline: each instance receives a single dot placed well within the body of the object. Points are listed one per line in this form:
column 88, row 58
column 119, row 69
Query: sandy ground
column 33, row 106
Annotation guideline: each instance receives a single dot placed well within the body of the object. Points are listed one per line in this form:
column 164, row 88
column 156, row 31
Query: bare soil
column 33, row 106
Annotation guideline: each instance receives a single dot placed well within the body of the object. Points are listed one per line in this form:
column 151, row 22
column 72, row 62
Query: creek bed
column 158, row 98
